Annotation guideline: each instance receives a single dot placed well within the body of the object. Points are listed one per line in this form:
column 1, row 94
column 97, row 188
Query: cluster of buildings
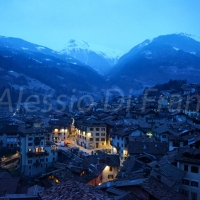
column 148, row 148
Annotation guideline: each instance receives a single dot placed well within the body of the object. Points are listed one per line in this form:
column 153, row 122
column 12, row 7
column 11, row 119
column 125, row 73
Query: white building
column 92, row 135
column 189, row 161
column 120, row 140
column 37, row 154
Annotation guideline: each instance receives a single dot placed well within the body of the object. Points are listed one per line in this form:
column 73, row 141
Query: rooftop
column 70, row 190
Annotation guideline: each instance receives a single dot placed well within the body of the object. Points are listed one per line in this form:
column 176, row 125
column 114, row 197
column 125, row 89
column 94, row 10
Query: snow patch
column 24, row 48
column 14, row 73
column 36, row 60
column 147, row 52
column 47, row 59
column 33, row 84
column 175, row 48
column 40, row 48
column 74, row 45
column 145, row 43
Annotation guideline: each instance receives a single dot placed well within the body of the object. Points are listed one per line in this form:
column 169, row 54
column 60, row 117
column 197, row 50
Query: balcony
column 34, row 153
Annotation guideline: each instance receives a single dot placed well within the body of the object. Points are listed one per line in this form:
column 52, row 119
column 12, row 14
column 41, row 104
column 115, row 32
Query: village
column 146, row 148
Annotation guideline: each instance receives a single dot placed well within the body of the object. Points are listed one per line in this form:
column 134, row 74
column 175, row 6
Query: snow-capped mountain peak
column 104, row 51
column 77, row 44
column 99, row 57
column 145, row 43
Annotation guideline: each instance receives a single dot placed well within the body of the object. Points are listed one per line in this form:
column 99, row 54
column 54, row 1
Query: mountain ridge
column 173, row 56
column 99, row 57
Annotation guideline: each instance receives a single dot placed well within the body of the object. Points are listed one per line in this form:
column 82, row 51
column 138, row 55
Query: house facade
column 92, row 135
column 36, row 154
column 188, row 160
column 9, row 137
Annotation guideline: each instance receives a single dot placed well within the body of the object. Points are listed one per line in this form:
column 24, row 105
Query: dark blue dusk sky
column 118, row 24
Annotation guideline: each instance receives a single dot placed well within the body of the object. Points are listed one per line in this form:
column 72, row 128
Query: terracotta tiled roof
column 163, row 129
column 108, row 159
column 71, row 190
column 133, row 195
column 124, row 130
column 170, row 175
column 160, row 191
column 188, row 155
column 154, row 148
column 129, row 167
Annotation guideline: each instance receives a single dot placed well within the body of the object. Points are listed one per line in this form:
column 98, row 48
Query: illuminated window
column 51, row 177
column 57, row 181
column 82, row 173
column 42, row 149
column 110, row 177
column 36, row 150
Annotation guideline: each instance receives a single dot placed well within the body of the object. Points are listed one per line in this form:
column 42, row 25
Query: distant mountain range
column 174, row 56
column 41, row 70
column 98, row 57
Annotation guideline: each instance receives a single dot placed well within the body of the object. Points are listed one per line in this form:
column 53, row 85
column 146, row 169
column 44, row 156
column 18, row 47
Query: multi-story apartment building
column 91, row 134
column 120, row 140
column 62, row 129
column 36, row 153
column 189, row 161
